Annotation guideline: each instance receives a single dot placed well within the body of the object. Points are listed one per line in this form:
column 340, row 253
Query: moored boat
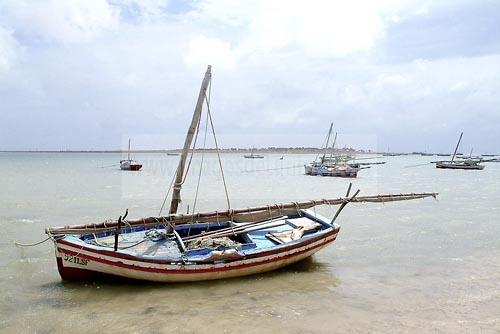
column 338, row 170
column 333, row 165
column 459, row 165
column 253, row 156
column 140, row 255
column 129, row 164
column 204, row 246
column 466, row 164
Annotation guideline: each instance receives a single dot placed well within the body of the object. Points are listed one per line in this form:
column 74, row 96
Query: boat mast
column 327, row 142
column 333, row 145
column 128, row 155
column 456, row 148
column 176, row 195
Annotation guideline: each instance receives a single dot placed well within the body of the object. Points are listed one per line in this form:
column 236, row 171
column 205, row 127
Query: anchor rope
column 33, row 244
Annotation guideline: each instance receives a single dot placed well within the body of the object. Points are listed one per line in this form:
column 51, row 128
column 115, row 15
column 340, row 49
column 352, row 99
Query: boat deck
column 138, row 244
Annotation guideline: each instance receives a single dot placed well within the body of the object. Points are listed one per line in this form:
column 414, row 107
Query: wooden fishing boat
column 202, row 245
column 471, row 165
column 468, row 164
column 129, row 164
column 337, row 170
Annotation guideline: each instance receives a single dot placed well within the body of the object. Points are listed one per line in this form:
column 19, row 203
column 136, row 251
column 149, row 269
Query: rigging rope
column 33, row 244
column 185, row 175
column 218, row 153
column 199, row 174
column 209, row 118
column 166, row 196
column 201, row 165
column 217, row 146
column 324, row 143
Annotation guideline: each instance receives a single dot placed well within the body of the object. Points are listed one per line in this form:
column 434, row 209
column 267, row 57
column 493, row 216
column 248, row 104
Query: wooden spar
column 456, row 148
column 348, row 190
column 342, row 206
column 244, row 214
column 327, row 141
column 176, row 195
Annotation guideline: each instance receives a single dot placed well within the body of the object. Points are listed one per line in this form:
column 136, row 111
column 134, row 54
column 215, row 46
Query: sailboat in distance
column 334, row 165
column 252, row 155
column 468, row 164
column 129, row 164
column 208, row 245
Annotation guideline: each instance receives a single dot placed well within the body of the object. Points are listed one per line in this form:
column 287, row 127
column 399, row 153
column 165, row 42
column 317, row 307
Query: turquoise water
column 415, row 267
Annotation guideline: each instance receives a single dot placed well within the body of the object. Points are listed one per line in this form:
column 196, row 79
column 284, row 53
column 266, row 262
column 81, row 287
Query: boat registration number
column 75, row 260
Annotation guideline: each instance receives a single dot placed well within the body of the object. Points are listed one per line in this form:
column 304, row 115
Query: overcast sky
column 406, row 74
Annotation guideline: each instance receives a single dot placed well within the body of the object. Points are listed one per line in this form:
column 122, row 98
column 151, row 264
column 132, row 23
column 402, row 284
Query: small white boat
column 129, row 164
column 253, row 156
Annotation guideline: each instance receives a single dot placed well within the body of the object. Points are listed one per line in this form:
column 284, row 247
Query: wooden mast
column 456, row 148
column 176, row 195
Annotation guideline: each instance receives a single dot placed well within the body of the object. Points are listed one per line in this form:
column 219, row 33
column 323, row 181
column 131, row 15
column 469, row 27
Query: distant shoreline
column 294, row 150
column 269, row 150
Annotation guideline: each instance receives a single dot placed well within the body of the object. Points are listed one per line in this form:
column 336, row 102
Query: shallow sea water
column 407, row 267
